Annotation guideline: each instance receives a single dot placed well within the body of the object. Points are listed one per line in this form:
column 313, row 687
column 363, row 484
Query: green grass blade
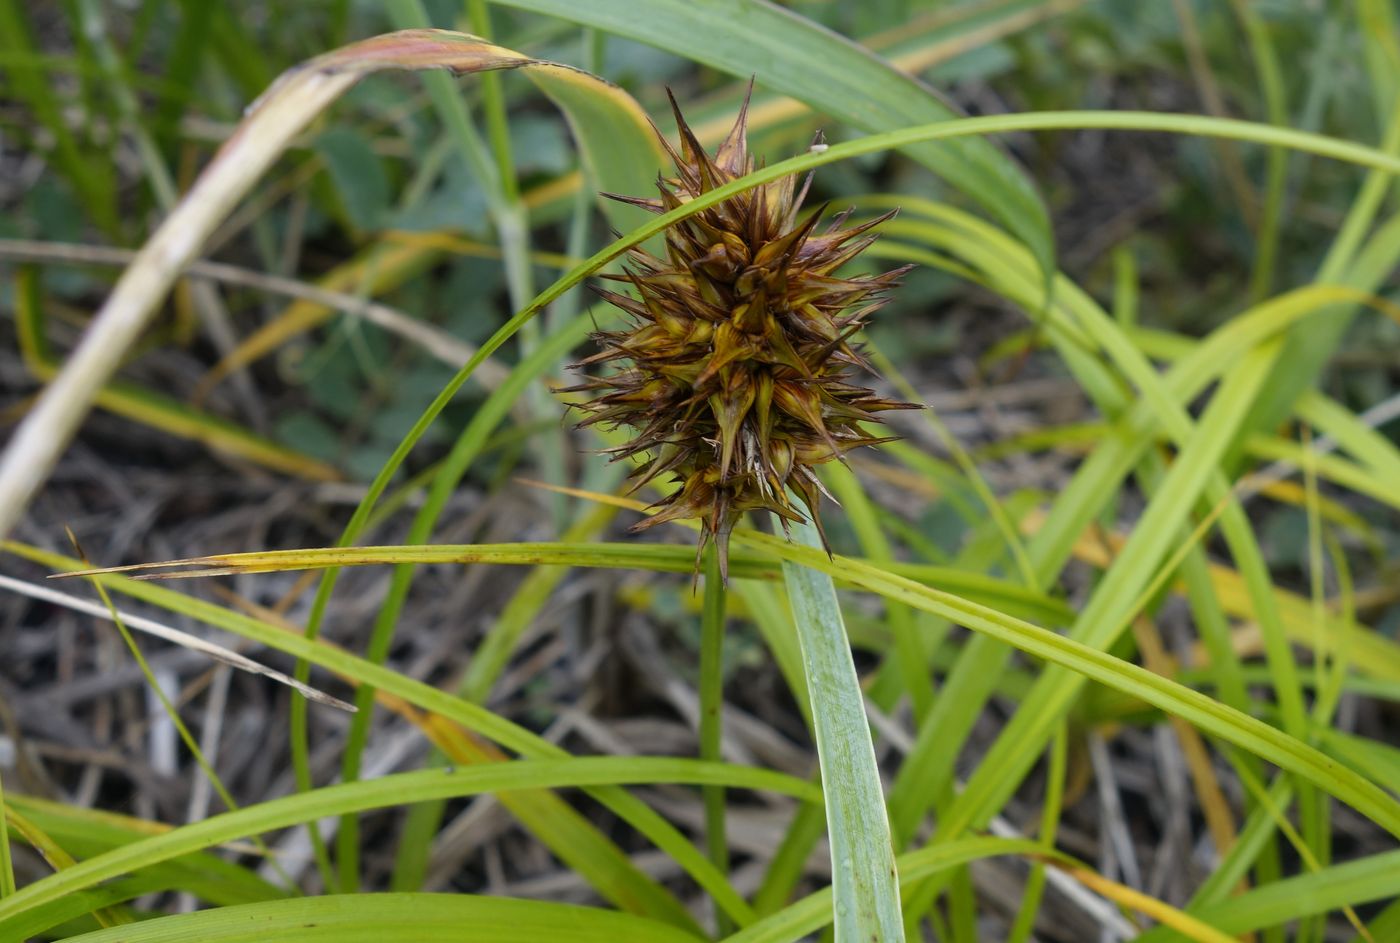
column 187, row 56
column 491, row 657
column 865, row 884
column 85, row 833
column 392, row 790
column 790, row 860
column 1364, row 443
column 1356, row 882
column 168, row 706
column 579, row 844
column 1051, row 809
column 1377, row 20
column 469, row 445
column 423, row 918
column 770, row 615
column 1266, row 66
column 659, row 558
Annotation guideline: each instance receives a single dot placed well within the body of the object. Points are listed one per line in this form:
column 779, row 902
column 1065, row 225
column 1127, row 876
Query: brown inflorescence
column 734, row 373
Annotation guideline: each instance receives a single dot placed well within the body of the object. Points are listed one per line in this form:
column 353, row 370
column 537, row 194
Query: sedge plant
column 958, row 652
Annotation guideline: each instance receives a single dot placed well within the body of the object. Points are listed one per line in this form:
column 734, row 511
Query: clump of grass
column 1143, row 545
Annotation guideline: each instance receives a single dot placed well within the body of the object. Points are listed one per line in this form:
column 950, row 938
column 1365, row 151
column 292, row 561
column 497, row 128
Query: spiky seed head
column 733, row 373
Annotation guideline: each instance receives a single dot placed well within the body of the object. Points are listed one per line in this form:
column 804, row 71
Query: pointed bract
column 739, row 347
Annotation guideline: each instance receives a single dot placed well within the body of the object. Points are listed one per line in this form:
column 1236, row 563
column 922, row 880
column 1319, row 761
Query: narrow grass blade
column 168, row 706
column 815, row 911
column 58, row 858
column 568, row 833
column 1372, row 878
column 755, row 564
column 908, row 649
column 423, row 918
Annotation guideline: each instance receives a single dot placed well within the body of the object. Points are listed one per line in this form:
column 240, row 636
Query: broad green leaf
column 616, row 142
column 865, row 885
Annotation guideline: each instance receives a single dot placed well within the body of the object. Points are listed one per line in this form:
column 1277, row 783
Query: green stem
column 1049, row 821
column 711, row 720
column 493, row 104
column 7, row 867
column 1266, row 65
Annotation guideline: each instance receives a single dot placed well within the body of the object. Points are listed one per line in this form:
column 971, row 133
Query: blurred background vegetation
column 110, row 109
